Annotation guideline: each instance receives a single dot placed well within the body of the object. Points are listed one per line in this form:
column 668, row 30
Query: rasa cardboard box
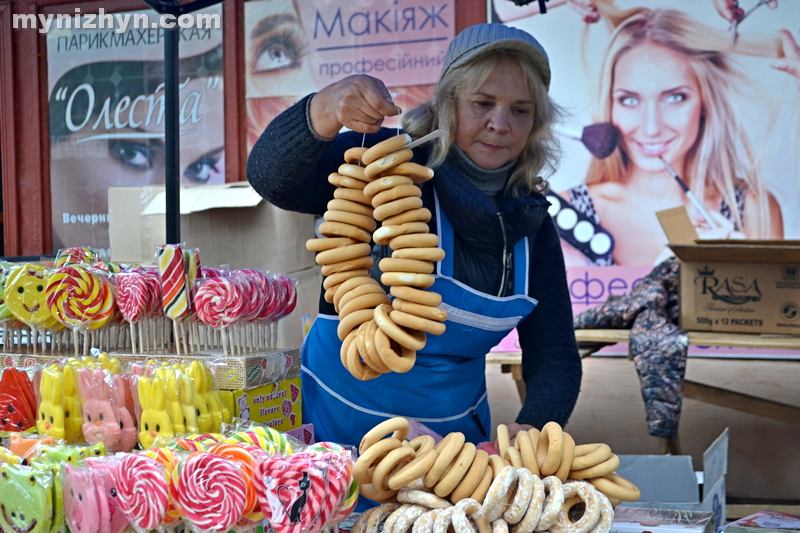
column 670, row 481
column 735, row 286
column 230, row 224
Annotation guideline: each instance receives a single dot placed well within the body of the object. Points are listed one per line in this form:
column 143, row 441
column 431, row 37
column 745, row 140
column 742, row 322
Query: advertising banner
column 295, row 48
column 660, row 96
column 724, row 120
column 106, row 86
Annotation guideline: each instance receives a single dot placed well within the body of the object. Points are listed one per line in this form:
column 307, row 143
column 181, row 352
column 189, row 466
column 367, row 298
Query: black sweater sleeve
column 551, row 365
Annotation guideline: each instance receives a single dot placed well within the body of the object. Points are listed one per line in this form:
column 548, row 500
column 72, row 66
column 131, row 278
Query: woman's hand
column 586, row 9
column 724, row 227
column 728, row 9
column 791, row 62
column 359, row 103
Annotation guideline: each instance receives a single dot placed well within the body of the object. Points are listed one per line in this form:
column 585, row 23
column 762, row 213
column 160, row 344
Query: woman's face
column 496, row 119
column 83, row 167
column 656, row 106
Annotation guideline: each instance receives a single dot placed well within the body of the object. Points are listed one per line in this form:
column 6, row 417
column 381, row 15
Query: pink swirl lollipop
column 219, row 302
column 290, row 292
column 255, row 292
column 208, row 272
column 153, row 292
column 291, row 491
column 209, row 491
column 133, row 295
column 278, row 298
column 142, row 491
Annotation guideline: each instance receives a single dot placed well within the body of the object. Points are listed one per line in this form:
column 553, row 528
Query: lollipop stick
column 177, row 342
column 224, row 342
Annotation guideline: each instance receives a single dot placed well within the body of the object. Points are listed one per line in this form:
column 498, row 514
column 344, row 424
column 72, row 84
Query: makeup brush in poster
column 690, row 195
column 600, row 139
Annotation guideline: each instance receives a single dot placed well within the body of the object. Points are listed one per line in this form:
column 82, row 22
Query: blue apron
column 446, row 388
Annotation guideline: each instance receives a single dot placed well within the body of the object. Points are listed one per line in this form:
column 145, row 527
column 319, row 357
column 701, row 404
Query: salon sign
column 401, row 42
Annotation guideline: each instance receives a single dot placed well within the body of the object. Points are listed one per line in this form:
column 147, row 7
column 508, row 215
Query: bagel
column 393, row 264
column 353, row 155
column 415, row 171
column 384, row 147
column 395, row 193
column 423, row 214
column 386, row 233
column 415, row 322
column 418, row 296
column 360, row 221
column 345, row 182
column 409, row 279
column 338, row 229
column 415, row 240
column 353, row 195
column 326, row 243
column 350, row 264
column 395, row 207
column 388, row 161
column 338, row 204
column 425, row 311
column 387, row 182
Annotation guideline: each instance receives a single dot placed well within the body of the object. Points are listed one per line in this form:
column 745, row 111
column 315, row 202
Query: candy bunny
column 25, row 499
column 100, row 422
column 187, row 399
column 73, row 423
column 127, row 423
column 81, row 509
column 168, row 376
column 51, row 408
column 155, row 421
column 204, row 419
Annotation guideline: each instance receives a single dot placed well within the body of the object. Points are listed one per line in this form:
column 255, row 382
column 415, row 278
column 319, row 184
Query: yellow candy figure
column 73, row 418
column 26, row 297
column 155, row 421
column 50, row 420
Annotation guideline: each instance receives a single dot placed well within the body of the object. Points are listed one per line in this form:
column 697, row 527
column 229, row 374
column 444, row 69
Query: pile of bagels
column 379, row 183
column 536, row 484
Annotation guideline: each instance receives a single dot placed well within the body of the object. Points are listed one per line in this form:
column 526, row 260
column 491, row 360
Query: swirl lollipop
column 248, row 462
column 133, row 295
column 79, row 298
column 209, row 491
column 219, row 302
column 290, row 292
column 142, row 491
column 76, row 255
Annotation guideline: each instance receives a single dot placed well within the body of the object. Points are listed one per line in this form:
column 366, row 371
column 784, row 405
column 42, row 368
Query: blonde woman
column 666, row 83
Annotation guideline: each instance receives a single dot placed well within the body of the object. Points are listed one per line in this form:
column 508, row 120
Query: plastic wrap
column 100, row 422
column 17, row 400
column 27, row 497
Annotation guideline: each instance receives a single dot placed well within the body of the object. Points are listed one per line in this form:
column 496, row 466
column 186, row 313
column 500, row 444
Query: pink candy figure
column 100, row 422
column 81, row 508
column 104, row 472
column 123, row 395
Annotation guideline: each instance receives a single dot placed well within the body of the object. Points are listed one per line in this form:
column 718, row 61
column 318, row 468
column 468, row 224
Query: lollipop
column 301, row 479
column 174, row 285
column 209, row 491
column 219, row 302
column 187, row 445
column 133, row 295
column 79, row 298
column 25, row 295
column 167, row 459
column 290, row 301
column 249, row 462
column 342, row 485
column 5, row 269
column 142, row 491
column 76, row 254
column 265, row 438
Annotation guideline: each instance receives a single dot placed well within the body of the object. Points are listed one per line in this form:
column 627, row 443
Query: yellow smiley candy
column 26, row 297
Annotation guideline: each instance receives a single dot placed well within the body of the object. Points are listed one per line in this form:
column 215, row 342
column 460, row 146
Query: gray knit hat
column 482, row 38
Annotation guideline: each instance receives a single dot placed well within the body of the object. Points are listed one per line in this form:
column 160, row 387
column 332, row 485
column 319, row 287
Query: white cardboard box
column 230, row 224
column 670, row 481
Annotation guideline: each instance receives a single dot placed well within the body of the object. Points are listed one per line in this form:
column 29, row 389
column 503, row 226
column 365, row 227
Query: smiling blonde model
column 666, row 83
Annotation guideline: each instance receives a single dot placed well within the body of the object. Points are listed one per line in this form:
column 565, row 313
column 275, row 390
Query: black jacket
column 289, row 166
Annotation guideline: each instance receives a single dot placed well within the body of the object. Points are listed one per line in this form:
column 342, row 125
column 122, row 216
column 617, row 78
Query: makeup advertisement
column 294, row 48
column 667, row 103
column 106, row 82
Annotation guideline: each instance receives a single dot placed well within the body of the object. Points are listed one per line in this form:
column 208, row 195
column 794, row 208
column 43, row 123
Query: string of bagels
column 379, row 183
column 543, row 482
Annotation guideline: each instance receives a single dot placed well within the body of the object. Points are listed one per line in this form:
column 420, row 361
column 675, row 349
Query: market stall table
column 592, row 340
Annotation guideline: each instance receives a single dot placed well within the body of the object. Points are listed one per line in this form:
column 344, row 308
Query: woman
column 666, row 84
column 504, row 266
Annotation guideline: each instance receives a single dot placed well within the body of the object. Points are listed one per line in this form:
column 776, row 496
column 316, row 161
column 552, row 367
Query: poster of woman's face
column 107, row 120
column 689, row 95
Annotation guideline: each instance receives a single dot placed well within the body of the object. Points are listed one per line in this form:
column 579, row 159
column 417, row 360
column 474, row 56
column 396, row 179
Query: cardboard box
column 734, row 286
column 277, row 405
column 304, row 433
column 230, row 224
column 670, row 482
column 630, row 520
